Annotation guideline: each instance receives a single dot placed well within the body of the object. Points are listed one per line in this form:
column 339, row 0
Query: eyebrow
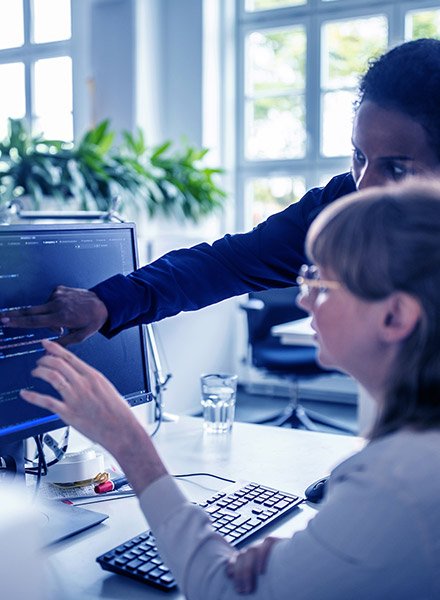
column 397, row 157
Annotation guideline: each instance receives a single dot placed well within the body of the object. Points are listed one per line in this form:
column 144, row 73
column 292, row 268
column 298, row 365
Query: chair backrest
column 279, row 307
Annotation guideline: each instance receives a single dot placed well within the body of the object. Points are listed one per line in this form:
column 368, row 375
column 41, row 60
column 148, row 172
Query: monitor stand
column 56, row 519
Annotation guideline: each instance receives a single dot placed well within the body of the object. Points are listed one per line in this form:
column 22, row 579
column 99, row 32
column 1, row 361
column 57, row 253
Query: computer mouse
column 316, row 491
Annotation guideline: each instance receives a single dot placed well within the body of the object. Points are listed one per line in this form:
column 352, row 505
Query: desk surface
column 283, row 458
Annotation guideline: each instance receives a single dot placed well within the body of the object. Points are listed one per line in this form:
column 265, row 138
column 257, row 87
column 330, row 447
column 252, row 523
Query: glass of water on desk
column 218, row 401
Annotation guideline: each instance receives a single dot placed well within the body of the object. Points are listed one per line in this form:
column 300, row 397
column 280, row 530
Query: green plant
column 96, row 171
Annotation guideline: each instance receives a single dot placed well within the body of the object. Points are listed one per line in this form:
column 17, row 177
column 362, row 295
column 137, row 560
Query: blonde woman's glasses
column 311, row 284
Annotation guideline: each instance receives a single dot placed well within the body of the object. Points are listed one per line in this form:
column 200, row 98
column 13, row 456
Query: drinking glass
column 218, row 401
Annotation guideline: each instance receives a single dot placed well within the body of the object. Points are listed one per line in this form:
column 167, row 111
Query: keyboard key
column 134, row 564
column 163, row 568
column 241, row 520
column 155, row 573
column 146, row 568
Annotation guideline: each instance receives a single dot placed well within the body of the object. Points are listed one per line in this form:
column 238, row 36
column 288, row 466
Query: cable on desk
column 59, row 450
column 41, row 468
column 205, row 475
column 105, row 497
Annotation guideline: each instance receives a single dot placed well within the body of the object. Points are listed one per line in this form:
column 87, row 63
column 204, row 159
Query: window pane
column 253, row 5
column 11, row 24
column 337, row 111
column 270, row 195
column 275, row 83
column 53, row 97
column 55, row 127
column 425, row 23
column 275, row 61
column 346, row 47
column 276, row 128
column 51, row 20
column 13, row 97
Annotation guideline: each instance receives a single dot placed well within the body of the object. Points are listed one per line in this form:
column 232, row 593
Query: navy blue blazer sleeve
column 184, row 280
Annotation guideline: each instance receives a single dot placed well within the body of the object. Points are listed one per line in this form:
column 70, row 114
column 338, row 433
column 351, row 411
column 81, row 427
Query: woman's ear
column 401, row 315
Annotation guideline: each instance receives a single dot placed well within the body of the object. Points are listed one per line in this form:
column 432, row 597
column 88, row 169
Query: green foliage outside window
column 349, row 45
column 283, row 67
column 425, row 24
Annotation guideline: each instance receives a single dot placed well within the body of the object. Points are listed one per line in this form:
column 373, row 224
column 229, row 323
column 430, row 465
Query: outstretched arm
column 187, row 279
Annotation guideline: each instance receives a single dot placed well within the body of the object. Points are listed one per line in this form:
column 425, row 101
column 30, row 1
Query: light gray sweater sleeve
column 360, row 545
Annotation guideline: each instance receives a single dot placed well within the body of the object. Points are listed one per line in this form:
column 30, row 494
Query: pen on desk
column 110, row 485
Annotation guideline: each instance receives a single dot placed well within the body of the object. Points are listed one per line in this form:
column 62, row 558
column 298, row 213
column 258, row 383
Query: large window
column 298, row 66
column 36, row 66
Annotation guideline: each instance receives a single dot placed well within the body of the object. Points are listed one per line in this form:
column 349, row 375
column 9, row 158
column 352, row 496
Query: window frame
column 29, row 53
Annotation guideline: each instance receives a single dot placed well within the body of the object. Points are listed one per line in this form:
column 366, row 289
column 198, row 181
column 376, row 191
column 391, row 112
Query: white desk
column 283, row 458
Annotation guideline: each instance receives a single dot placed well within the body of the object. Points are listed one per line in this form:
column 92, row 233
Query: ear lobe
column 402, row 315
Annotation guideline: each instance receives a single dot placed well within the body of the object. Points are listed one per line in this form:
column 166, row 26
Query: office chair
column 266, row 353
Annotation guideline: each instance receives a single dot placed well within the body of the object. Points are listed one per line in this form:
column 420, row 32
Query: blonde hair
column 377, row 242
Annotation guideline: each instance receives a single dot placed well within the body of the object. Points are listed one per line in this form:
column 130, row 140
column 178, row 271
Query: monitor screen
column 34, row 259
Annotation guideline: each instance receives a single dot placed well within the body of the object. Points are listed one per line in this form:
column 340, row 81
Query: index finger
column 40, row 315
column 26, row 310
column 31, row 322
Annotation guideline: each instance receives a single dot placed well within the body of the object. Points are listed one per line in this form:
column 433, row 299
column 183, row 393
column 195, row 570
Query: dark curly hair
column 407, row 79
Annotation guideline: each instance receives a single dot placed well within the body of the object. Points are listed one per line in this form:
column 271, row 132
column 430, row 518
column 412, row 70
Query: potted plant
column 93, row 173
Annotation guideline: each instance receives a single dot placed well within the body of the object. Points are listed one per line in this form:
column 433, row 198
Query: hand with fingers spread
column 245, row 566
column 81, row 311
column 91, row 404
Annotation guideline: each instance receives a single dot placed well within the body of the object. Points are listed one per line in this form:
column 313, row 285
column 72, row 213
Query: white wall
column 146, row 63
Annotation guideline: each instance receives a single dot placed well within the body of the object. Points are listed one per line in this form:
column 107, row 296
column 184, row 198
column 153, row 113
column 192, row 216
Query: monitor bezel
column 54, row 422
